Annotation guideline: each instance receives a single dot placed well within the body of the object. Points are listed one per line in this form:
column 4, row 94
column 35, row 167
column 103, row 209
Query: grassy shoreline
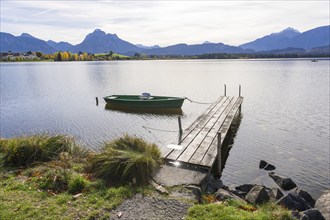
column 50, row 177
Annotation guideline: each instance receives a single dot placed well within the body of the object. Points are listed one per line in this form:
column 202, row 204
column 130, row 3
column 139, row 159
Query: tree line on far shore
column 57, row 56
column 84, row 56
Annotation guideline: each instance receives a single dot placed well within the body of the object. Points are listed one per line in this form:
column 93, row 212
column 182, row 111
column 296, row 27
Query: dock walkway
column 199, row 142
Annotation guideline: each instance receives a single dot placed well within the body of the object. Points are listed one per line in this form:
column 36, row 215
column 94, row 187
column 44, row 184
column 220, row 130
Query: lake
column 284, row 120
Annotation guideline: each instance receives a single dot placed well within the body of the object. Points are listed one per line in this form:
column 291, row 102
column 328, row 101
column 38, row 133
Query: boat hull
column 138, row 102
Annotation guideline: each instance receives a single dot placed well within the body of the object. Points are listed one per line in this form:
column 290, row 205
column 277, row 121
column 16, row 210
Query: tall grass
column 26, row 150
column 127, row 159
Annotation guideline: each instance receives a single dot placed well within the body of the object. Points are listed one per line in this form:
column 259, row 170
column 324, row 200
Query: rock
column 119, row 214
column 169, row 176
column 210, row 185
column 257, row 195
column 245, row 187
column 262, row 164
column 76, row 196
column 275, row 194
column 241, row 194
column 296, row 214
column 305, row 195
column 323, row 204
column 294, row 202
column 242, row 190
column 283, row 182
column 196, row 191
column 159, row 188
column 312, row 214
column 270, row 167
column 223, row 194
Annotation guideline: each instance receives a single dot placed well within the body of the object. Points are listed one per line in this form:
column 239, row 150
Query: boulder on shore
column 245, row 187
column 257, row 195
column 323, row 204
column 275, row 194
column 294, row 202
column 312, row 214
column 283, row 182
column 223, row 194
column 305, row 195
column 210, row 184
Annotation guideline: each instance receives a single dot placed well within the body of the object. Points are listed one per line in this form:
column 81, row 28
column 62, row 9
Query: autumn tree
column 59, row 56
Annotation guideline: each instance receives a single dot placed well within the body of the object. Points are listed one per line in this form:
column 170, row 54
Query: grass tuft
column 127, row 159
column 23, row 151
column 77, row 184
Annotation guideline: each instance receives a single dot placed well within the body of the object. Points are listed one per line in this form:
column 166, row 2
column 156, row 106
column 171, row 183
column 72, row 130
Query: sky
column 163, row 23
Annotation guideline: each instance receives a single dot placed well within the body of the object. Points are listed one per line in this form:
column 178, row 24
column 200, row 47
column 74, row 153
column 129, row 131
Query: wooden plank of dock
column 199, row 140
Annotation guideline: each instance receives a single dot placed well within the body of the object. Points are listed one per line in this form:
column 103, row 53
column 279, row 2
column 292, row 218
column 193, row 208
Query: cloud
column 161, row 22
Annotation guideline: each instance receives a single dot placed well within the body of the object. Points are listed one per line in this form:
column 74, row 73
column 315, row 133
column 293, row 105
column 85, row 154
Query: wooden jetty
column 201, row 141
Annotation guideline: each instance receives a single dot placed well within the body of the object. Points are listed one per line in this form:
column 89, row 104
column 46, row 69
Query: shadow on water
column 227, row 145
column 144, row 111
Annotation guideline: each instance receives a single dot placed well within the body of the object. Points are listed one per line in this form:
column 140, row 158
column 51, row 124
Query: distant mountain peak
column 288, row 32
column 206, row 42
column 99, row 33
column 98, row 42
column 291, row 37
column 26, row 35
column 113, row 35
column 290, row 29
column 97, row 30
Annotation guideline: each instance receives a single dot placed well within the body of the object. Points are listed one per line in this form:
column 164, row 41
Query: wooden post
column 180, row 126
column 225, row 90
column 239, row 91
column 97, row 101
column 219, row 150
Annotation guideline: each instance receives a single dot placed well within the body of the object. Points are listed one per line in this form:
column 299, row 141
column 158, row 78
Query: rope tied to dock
column 156, row 129
column 203, row 103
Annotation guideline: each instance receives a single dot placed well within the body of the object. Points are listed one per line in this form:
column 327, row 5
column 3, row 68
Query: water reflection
column 145, row 111
column 227, row 144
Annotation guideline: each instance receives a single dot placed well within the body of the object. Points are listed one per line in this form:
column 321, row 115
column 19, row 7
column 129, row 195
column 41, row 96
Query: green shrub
column 127, row 159
column 23, row 151
column 50, row 179
column 3, row 143
column 77, row 184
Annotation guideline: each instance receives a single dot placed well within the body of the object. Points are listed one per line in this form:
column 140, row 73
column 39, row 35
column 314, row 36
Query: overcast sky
column 161, row 22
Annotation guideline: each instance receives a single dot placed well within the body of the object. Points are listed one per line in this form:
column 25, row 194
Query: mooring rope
column 148, row 129
column 156, row 129
column 203, row 103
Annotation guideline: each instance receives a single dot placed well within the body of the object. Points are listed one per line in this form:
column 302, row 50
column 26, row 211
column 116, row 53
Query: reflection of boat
column 152, row 111
column 145, row 101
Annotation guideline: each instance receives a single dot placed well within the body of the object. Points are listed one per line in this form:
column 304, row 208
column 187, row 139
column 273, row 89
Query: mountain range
column 288, row 40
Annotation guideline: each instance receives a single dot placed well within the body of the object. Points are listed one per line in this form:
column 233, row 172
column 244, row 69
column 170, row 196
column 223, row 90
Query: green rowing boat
column 144, row 101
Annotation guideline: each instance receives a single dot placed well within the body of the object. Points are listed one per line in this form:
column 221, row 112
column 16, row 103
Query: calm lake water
column 285, row 112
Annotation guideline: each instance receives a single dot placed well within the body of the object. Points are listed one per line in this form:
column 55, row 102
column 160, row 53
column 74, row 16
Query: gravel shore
column 150, row 208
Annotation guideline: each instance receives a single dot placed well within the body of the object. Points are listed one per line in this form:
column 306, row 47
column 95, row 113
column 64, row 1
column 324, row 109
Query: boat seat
column 146, row 98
